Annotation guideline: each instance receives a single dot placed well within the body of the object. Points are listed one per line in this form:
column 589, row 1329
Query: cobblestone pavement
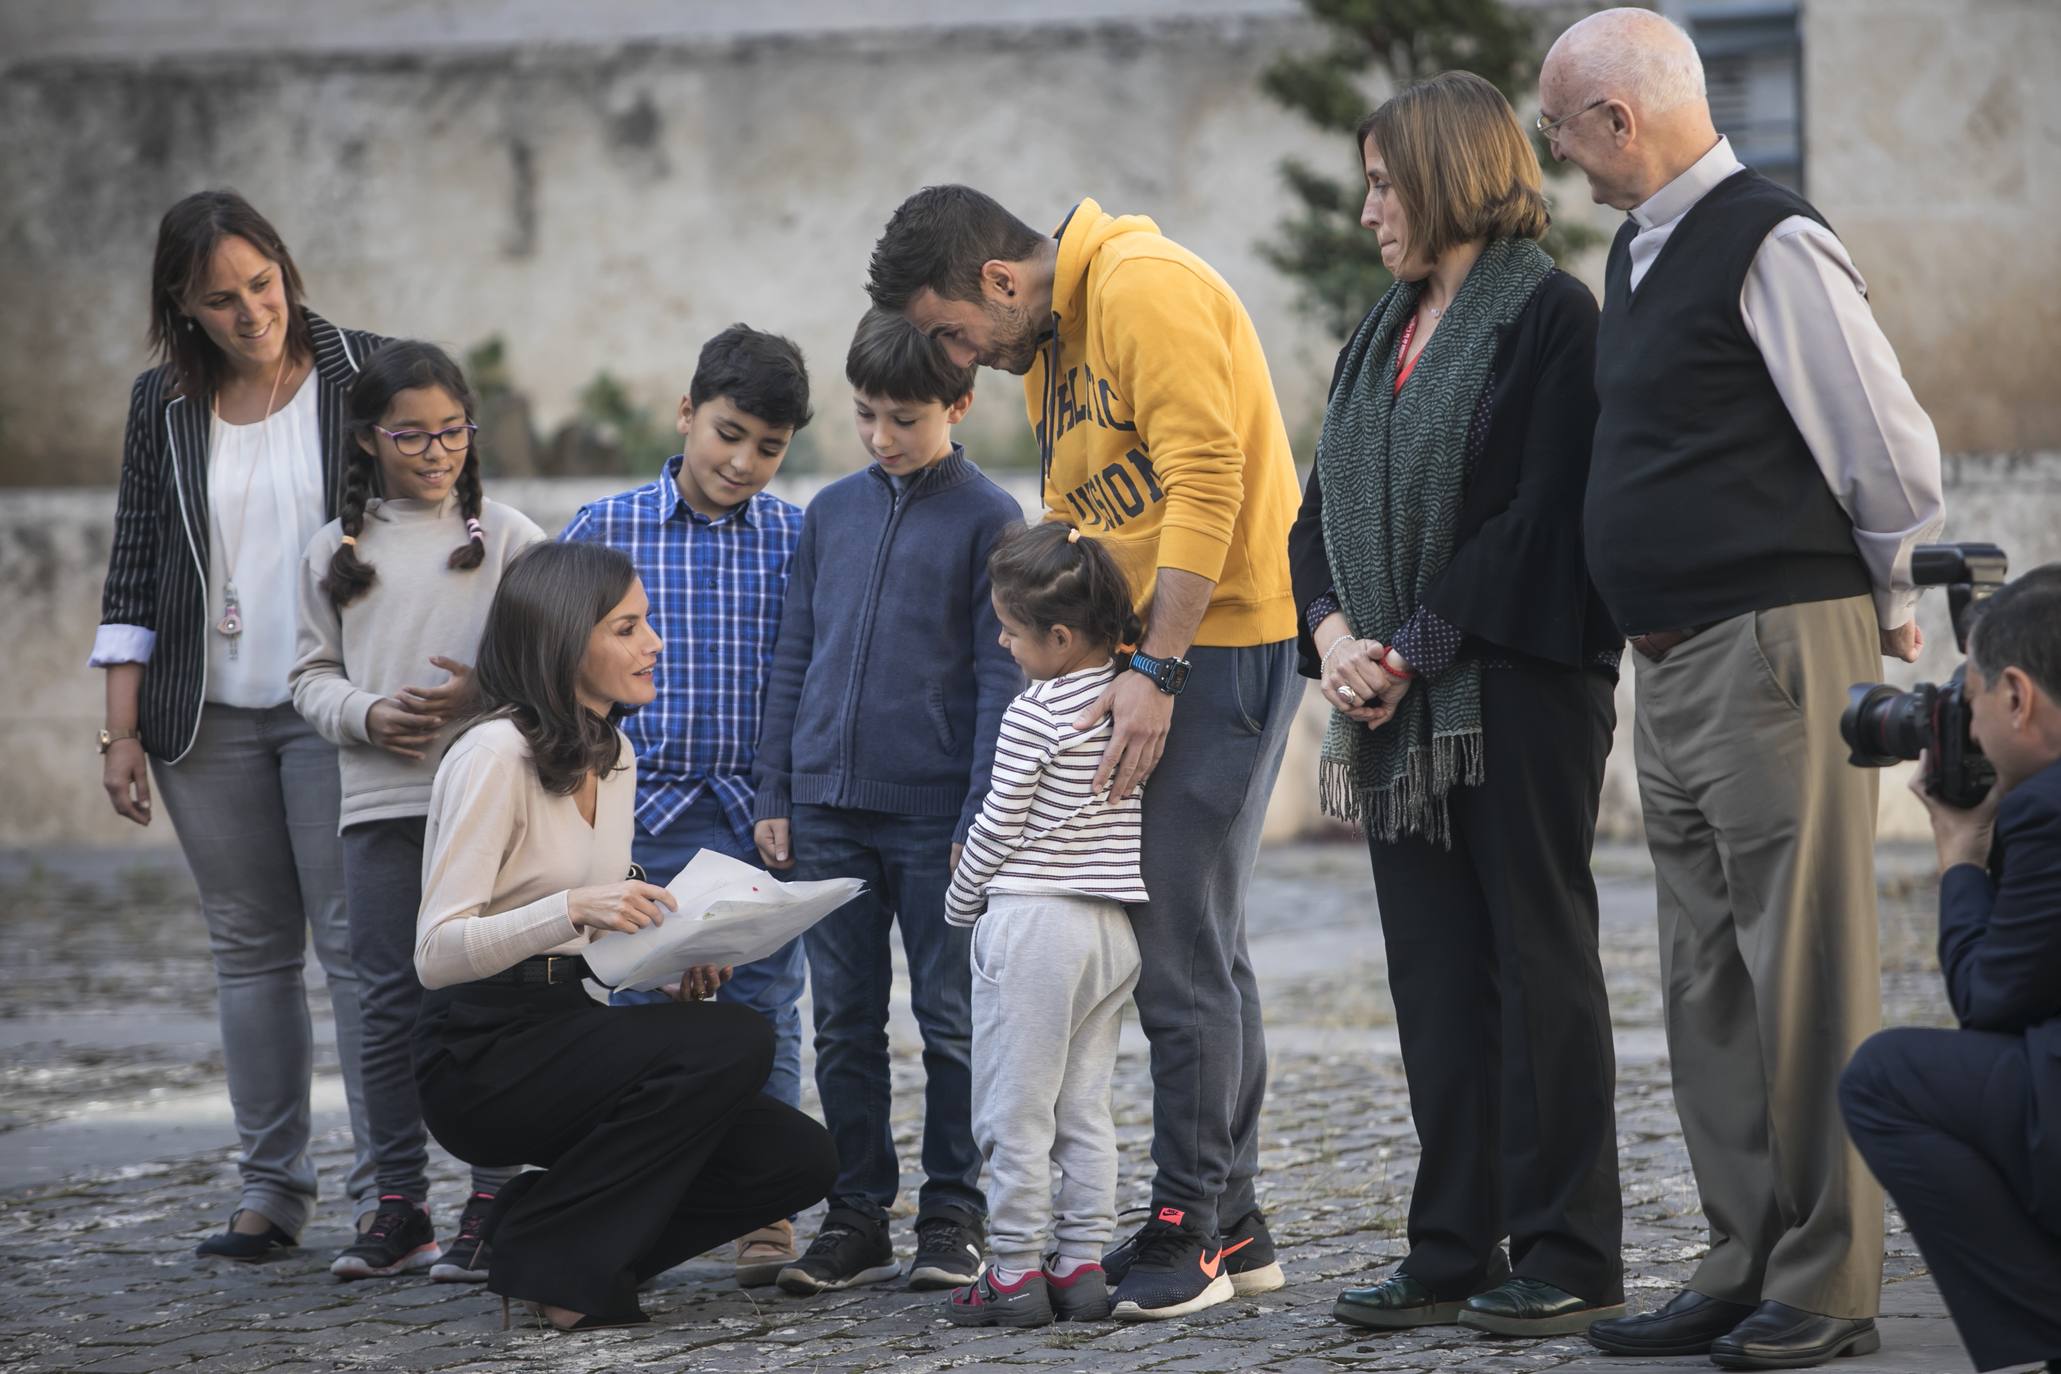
column 113, row 1162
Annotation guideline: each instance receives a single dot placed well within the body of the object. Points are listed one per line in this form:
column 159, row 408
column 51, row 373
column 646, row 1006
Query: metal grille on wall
column 1753, row 66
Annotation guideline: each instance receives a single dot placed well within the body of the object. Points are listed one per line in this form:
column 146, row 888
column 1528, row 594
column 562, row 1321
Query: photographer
column 1963, row 1127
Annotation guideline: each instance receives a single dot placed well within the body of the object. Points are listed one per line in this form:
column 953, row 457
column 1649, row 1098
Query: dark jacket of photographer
column 2000, row 949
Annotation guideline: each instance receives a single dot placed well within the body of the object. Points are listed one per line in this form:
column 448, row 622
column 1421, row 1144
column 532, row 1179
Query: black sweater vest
column 1704, row 501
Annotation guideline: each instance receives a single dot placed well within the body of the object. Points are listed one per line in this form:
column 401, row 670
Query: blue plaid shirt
column 716, row 588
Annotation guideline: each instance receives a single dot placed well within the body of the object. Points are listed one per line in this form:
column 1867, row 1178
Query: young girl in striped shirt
column 1052, row 862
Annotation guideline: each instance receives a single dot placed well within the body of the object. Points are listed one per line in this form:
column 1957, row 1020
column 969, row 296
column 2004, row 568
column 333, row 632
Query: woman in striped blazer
column 234, row 459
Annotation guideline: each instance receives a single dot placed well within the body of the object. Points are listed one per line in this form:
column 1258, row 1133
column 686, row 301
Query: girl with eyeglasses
column 393, row 597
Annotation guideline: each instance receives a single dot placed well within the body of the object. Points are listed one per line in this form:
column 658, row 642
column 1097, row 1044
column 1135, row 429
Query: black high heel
column 590, row 1322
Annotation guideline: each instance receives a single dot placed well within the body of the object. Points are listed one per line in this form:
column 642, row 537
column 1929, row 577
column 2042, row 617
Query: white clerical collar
column 1675, row 199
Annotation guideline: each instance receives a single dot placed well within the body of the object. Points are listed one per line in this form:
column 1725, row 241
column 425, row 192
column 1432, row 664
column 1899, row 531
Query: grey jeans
column 383, row 889
column 1198, row 1002
column 255, row 805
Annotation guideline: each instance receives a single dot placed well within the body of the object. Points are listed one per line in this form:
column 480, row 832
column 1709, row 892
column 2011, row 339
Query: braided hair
column 402, row 365
column 1051, row 574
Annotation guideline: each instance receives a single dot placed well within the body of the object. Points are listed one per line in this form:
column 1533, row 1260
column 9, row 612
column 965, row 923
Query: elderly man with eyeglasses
column 1761, row 474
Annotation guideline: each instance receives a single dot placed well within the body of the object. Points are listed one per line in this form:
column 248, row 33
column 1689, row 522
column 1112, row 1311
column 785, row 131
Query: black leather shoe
column 1396, row 1302
column 1778, row 1336
column 242, row 1245
column 1527, row 1307
column 1686, row 1326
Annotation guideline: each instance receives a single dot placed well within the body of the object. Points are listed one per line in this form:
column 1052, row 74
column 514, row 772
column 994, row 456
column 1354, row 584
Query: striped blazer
column 153, row 608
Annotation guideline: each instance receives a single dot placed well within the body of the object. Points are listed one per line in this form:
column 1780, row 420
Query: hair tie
column 350, row 541
column 1073, row 534
column 474, row 529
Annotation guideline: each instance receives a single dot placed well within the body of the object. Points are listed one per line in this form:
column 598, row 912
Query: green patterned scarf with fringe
column 1394, row 469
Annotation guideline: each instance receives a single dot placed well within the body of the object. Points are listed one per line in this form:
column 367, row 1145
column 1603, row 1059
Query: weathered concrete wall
column 53, row 555
column 609, row 207
column 1933, row 145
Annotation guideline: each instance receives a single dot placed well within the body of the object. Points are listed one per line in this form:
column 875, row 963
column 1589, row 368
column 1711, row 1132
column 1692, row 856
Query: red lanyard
column 1405, row 364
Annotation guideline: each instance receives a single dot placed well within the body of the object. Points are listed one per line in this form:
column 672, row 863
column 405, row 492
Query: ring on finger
column 1345, row 691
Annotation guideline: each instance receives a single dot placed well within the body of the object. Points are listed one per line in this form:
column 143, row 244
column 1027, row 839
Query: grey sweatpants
column 1050, row 975
column 1198, row 1000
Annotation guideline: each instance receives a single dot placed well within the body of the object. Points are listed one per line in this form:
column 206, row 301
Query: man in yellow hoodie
column 1160, row 436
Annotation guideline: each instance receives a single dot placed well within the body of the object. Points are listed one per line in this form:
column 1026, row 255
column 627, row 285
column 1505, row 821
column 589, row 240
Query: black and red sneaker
column 465, row 1259
column 400, row 1240
column 989, row 1302
column 1175, row 1270
column 1082, row 1296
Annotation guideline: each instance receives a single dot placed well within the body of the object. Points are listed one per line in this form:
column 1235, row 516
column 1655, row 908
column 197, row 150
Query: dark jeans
column 382, row 893
column 906, row 864
column 1198, row 1002
column 1500, row 1006
column 1944, row 1119
column 657, row 1141
column 770, row 986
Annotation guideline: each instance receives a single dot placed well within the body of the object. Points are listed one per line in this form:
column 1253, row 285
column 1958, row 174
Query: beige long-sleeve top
column 417, row 606
column 500, row 854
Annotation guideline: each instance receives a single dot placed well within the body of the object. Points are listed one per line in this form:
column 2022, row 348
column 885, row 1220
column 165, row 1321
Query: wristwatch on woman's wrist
column 108, row 737
column 1170, row 675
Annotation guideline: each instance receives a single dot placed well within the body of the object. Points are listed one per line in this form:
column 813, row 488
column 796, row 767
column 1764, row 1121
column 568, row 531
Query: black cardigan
column 1518, row 583
column 157, row 571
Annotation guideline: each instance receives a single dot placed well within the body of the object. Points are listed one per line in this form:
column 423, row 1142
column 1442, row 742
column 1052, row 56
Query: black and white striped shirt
column 153, row 607
column 1042, row 828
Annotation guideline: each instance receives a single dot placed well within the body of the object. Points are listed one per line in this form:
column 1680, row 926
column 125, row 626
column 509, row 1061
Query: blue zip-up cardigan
column 889, row 679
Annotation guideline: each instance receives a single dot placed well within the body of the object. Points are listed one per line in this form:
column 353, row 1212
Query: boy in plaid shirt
column 712, row 547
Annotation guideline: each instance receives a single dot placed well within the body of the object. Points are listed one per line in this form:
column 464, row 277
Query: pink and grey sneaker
column 1082, row 1296
column 465, row 1260
column 988, row 1302
column 400, row 1240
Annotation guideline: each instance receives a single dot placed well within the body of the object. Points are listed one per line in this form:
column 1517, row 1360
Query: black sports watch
column 1170, row 675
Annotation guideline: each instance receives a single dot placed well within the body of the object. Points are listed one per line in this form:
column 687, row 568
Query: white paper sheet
column 730, row 913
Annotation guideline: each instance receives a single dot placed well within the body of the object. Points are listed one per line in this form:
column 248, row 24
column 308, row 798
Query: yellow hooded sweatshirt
column 1158, row 427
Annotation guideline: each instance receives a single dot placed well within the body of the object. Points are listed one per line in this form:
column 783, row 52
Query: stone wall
column 610, row 205
column 53, row 555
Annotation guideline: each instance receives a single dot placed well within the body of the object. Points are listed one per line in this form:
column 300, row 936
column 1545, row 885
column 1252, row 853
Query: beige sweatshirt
column 417, row 606
column 500, row 854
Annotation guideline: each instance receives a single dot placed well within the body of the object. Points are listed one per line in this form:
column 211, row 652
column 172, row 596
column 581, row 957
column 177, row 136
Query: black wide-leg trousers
column 1500, row 1005
column 656, row 1140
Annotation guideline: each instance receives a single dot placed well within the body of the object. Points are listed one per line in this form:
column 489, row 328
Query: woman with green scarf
column 1470, row 667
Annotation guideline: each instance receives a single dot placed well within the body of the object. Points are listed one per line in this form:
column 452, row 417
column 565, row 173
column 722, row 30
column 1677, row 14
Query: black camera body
column 1883, row 726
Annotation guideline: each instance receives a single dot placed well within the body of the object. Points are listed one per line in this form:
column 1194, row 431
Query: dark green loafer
column 1527, row 1307
column 1395, row 1303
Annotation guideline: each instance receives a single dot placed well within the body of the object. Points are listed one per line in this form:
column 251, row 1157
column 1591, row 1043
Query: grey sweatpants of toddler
column 1051, row 973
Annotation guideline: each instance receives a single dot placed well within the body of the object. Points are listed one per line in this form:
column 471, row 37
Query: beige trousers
column 1763, row 852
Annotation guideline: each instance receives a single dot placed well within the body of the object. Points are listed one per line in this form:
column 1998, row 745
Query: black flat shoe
column 1686, row 1326
column 1528, row 1307
column 1778, row 1336
column 1394, row 1304
column 233, row 1244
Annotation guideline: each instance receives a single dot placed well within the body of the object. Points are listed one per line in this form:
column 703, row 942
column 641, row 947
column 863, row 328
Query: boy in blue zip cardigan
column 888, row 685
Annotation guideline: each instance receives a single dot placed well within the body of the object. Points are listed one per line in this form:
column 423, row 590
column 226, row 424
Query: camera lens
column 1884, row 726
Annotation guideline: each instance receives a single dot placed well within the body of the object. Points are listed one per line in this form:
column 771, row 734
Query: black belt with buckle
column 540, row 971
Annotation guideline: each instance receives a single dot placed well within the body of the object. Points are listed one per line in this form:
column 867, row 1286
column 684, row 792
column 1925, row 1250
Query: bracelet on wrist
column 1400, row 674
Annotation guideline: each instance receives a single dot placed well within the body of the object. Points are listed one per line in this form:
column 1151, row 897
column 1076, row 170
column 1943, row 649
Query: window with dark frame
column 1753, row 67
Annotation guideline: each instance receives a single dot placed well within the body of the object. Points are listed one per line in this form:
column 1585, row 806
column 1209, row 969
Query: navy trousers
column 1943, row 1118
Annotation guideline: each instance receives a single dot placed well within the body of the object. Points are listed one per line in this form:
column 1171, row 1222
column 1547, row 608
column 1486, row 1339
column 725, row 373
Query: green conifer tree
column 1322, row 246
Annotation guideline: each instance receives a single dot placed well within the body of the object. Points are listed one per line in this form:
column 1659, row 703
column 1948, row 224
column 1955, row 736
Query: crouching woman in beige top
column 655, row 1138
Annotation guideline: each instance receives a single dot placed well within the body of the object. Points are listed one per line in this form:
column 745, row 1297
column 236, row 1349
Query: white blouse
column 265, row 502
